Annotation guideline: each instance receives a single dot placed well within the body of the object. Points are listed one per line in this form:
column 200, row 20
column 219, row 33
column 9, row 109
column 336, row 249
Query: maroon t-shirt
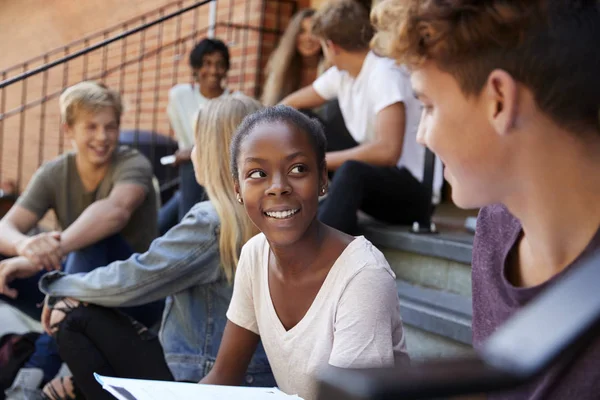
column 495, row 299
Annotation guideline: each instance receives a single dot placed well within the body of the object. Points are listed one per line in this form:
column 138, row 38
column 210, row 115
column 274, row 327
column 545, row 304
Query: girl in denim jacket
column 193, row 265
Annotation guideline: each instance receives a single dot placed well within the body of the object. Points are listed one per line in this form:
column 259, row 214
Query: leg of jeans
column 168, row 215
column 97, row 339
column 191, row 191
column 45, row 357
column 99, row 254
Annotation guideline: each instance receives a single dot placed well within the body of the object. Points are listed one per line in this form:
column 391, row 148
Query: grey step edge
column 442, row 313
column 450, row 246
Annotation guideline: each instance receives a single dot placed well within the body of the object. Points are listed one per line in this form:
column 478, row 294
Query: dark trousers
column 30, row 299
column 389, row 194
column 191, row 191
column 105, row 341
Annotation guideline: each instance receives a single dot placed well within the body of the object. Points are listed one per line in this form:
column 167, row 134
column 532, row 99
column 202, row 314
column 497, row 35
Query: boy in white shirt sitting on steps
column 382, row 174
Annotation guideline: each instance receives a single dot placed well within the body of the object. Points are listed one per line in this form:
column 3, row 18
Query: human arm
column 187, row 255
column 385, row 149
column 13, row 226
column 367, row 323
column 182, row 156
column 241, row 334
column 323, row 89
column 42, row 249
column 15, row 268
column 104, row 217
column 305, row 98
column 235, row 352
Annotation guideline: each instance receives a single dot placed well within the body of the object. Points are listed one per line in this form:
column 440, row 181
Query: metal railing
column 142, row 58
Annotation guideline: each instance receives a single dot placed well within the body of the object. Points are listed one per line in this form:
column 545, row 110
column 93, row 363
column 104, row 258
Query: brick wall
column 143, row 67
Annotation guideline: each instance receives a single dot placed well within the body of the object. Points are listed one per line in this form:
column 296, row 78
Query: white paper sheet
column 136, row 389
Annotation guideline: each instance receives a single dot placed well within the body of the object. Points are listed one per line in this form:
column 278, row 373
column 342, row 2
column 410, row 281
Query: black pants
column 108, row 342
column 389, row 194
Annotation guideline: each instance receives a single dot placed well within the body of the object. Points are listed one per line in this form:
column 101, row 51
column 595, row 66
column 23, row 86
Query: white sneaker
column 26, row 385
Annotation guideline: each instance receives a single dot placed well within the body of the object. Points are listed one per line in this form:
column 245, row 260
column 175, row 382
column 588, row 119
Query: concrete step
column 433, row 274
column 437, row 323
column 440, row 261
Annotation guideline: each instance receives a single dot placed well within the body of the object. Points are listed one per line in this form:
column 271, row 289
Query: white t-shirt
column 379, row 84
column 353, row 322
column 185, row 101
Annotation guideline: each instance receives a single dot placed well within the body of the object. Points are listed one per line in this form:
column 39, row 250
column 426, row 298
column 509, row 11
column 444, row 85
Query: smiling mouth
column 100, row 149
column 281, row 214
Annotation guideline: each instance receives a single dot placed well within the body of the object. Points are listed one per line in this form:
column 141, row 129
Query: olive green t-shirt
column 57, row 186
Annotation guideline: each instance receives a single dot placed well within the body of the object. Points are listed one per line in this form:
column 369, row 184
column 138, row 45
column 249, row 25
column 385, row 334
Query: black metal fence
column 143, row 58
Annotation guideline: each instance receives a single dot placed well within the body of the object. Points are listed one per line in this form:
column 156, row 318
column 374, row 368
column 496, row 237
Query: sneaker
column 26, row 385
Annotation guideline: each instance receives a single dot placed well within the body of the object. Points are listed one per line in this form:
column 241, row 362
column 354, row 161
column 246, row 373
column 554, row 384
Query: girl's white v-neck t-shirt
column 353, row 322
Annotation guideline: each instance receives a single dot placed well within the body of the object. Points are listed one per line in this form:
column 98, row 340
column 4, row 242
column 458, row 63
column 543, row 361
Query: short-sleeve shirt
column 57, row 186
column 353, row 322
column 496, row 299
column 379, row 84
column 185, row 101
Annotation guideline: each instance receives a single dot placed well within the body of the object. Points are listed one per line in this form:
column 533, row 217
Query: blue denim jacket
column 184, row 266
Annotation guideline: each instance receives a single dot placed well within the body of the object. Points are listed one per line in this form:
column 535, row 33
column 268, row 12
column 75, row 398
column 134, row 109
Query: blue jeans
column 168, row 215
column 191, row 191
column 104, row 252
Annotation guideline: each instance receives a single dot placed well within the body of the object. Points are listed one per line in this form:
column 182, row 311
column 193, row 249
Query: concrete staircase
column 434, row 285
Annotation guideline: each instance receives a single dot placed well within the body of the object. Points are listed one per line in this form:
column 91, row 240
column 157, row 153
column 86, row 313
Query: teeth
column 282, row 214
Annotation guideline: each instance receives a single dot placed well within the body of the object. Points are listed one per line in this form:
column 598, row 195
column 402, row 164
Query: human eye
column 298, row 169
column 256, row 174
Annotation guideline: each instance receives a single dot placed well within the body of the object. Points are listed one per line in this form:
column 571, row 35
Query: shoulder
column 179, row 89
column 361, row 259
column 253, row 251
column 384, row 69
column 54, row 170
column 130, row 158
column 58, row 163
column 331, row 74
column 204, row 213
column 255, row 245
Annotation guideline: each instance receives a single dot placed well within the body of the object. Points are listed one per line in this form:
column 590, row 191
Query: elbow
column 120, row 217
column 390, row 158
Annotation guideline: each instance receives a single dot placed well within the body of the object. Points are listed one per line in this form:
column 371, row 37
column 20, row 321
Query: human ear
column 323, row 180
column 501, row 95
column 68, row 131
column 236, row 189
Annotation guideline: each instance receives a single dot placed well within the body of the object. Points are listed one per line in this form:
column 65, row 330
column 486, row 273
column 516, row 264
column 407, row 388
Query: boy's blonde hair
column 345, row 22
column 88, row 96
column 215, row 126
